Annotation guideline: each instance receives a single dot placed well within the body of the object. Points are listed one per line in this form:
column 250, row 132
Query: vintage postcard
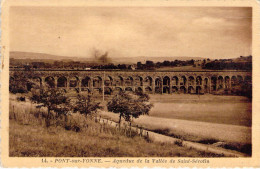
column 130, row 83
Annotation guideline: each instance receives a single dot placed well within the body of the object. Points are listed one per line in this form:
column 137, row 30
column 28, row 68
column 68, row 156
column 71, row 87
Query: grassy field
column 206, row 119
column 28, row 137
column 233, row 110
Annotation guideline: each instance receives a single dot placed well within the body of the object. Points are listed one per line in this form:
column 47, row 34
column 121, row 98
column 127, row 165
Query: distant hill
column 29, row 56
column 43, row 56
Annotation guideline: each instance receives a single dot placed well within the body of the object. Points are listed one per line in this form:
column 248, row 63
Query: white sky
column 127, row 32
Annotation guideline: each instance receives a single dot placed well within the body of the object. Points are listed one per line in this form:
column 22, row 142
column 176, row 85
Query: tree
column 85, row 105
column 139, row 65
column 55, row 100
column 21, row 82
column 130, row 105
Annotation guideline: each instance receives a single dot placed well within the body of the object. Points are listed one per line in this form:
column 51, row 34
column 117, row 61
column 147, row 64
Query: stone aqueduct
column 152, row 82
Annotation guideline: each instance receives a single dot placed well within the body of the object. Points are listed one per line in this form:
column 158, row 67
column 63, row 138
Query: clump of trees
column 220, row 65
column 86, row 105
column 20, row 82
column 130, row 106
column 54, row 100
column 242, row 63
column 150, row 65
column 244, row 89
column 57, row 102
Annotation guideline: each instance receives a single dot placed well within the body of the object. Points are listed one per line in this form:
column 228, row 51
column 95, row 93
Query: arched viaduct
column 152, row 82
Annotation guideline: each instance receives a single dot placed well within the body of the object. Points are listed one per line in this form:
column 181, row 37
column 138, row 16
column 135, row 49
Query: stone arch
column 175, row 80
column 174, row 89
column 220, row 82
column 108, row 81
column 97, row 91
column 77, row 90
column 166, row 89
column 227, row 82
column 213, row 83
column 183, row 89
column 206, row 81
column 183, row 80
column 129, row 81
column 198, row 80
column 64, row 90
column 158, row 85
column 85, row 91
column 191, row 80
column 240, row 79
column 128, row 89
column 97, row 82
column 108, row 91
column 233, row 81
column 198, row 90
column 62, row 82
column 248, row 80
column 206, row 85
column 139, row 89
column 158, row 81
column 73, row 81
column 148, row 90
column 119, row 81
column 166, row 81
column 50, row 82
column 118, row 90
column 148, row 81
column 86, row 82
column 38, row 81
column 191, row 90
column 138, row 81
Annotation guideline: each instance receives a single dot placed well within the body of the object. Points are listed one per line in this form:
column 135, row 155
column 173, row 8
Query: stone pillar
column 217, row 84
column 162, row 85
column 170, row 86
column 202, row 84
column 91, row 85
column 79, row 85
column 187, row 84
column 209, row 81
column 123, row 82
column 230, row 83
column 153, row 85
column 55, row 82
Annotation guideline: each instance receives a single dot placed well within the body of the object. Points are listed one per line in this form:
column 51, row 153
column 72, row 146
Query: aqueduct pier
column 152, row 82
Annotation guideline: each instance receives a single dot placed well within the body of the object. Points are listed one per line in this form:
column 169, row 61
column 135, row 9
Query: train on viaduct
column 110, row 82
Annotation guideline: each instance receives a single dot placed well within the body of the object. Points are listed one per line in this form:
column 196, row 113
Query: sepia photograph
column 130, row 81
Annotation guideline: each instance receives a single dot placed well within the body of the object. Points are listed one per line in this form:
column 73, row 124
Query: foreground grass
column 28, row 137
column 37, row 141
